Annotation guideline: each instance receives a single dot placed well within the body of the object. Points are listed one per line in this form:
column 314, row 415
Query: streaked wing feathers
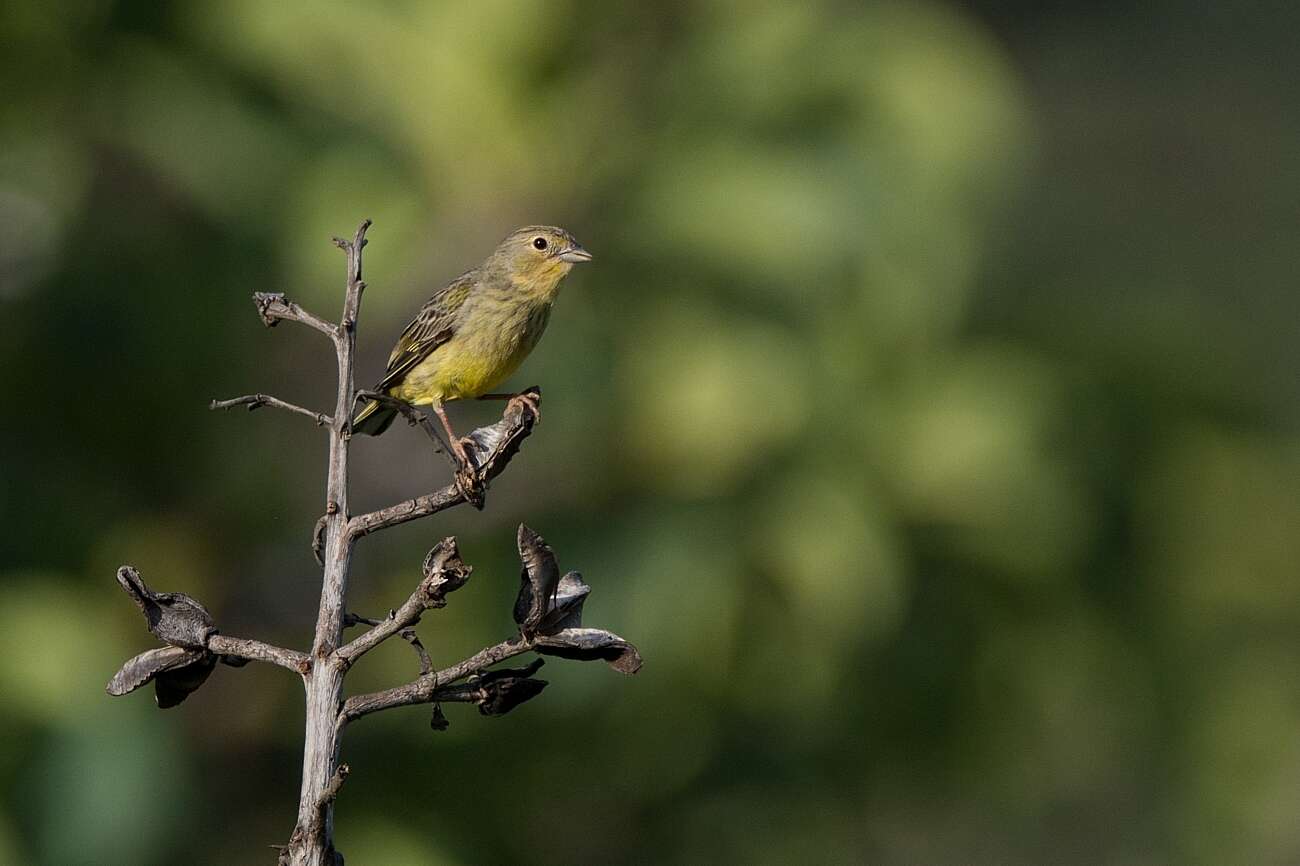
column 430, row 328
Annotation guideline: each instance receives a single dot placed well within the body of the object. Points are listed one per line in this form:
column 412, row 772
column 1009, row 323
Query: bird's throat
column 543, row 283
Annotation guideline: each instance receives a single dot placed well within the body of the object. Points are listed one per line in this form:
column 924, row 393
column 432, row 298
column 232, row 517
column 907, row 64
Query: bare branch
column 426, row 663
column 406, row 634
column 257, row 401
column 428, row 689
column 444, row 572
column 397, row 620
column 257, row 651
column 404, row 512
column 352, row 299
column 311, row 839
column 274, row 307
column 307, row 835
column 491, row 448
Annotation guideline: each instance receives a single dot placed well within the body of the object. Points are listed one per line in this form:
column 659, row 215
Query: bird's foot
column 467, row 477
column 531, row 399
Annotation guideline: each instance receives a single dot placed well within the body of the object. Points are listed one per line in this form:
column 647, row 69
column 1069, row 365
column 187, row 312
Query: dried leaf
column 173, row 617
column 491, row 448
column 507, row 688
column 172, row 687
column 263, row 301
column 489, row 677
column 141, row 669
column 175, row 672
column 508, row 695
column 538, row 581
column 444, row 571
column 591, row 643
column 566, row 609
column 438, row 721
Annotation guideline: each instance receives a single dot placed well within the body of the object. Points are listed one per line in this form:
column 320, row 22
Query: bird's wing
column 431, row 327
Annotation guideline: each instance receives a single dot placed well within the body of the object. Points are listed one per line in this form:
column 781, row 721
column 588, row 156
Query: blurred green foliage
column 928, row 418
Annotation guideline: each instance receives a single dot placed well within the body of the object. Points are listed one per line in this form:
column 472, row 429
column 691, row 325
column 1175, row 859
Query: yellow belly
column 473, row 363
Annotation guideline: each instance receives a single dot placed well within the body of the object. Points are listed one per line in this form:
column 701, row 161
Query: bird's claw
column 470, row 485
column 532, row 400
column 467, row 477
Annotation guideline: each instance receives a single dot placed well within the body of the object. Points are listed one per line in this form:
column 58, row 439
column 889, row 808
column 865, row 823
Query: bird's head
column 538, row 257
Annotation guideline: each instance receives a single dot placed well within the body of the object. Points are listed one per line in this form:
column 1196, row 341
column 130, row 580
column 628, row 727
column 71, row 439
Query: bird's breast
column 490, row 343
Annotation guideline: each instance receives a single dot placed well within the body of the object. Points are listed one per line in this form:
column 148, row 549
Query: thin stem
column 407, row 634
column 274, row 307
column 405, row 616
column 404, row 512
column 257, row 401
column 426, row 689
column 256, row 650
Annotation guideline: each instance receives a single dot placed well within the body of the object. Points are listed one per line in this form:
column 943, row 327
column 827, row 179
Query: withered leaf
column 538, row 580
column 172, row 687
column 591, row 643
column 505, row 696
column 175, row 672
column 173, row 617
column 507, row 688
column 492, row 447
column 444, row 571
column 566, row 608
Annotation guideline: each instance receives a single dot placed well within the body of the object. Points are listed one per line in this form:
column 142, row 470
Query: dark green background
column 928, row 418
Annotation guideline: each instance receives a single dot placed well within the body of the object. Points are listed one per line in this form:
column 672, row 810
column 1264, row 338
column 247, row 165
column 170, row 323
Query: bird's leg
column 467, row 477
column 452, row 439
column 532, row 398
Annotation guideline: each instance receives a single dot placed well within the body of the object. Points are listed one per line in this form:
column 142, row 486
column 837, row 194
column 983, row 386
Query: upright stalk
column 312, row 841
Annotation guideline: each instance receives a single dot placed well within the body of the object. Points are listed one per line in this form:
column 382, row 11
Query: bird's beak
column 574, row 254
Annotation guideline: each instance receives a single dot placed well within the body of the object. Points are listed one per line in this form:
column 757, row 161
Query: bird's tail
column 373, row 419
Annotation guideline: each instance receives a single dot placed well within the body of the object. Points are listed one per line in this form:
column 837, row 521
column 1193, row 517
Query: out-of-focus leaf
column 175, row 672
column 173, row 617
column 682, row 430
column 587, row 644
column 444, row 571
column 538, row 580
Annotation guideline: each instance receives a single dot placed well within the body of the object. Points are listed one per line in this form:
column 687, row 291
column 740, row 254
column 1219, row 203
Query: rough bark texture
column 193, row 645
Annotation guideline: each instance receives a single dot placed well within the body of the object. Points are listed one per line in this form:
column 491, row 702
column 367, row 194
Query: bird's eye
column 539, row 243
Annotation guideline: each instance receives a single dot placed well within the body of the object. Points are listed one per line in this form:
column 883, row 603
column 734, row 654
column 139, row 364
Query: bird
column 476, row 330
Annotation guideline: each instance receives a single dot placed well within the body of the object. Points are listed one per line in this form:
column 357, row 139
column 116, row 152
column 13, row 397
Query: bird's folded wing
column 431, row 327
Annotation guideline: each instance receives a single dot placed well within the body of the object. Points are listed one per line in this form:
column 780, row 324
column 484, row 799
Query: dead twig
column 257, row 401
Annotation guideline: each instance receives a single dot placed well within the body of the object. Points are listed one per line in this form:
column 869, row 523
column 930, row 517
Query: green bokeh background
column 929, row 418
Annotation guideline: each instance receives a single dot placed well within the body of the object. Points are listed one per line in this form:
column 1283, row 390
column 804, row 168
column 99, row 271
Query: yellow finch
column 476, row 330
